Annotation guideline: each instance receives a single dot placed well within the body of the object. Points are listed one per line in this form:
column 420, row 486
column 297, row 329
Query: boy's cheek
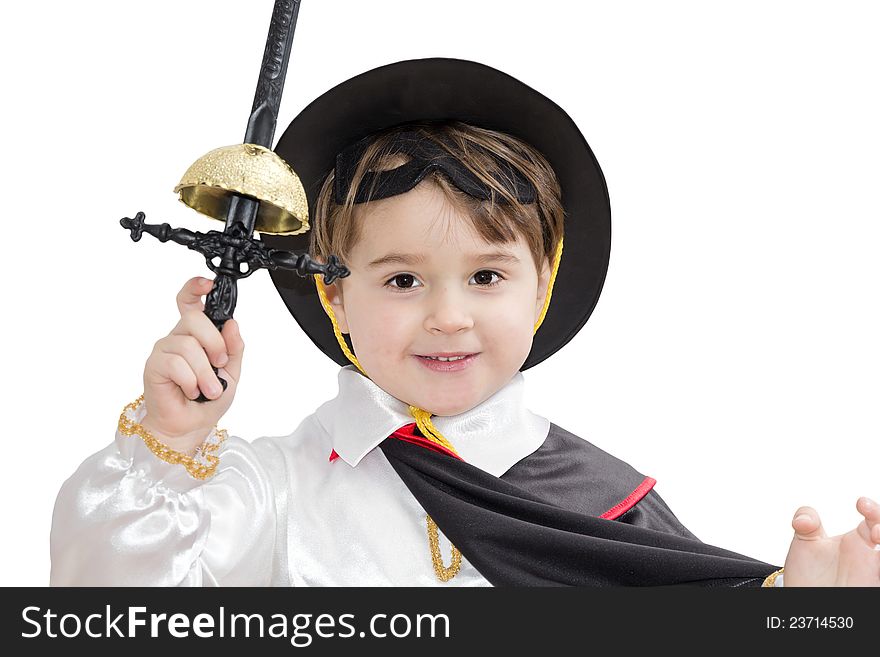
column 388, row 332
column 515, row 322
column 381, row 341
column 511, row 341
column 364, row 320
column 373, row 307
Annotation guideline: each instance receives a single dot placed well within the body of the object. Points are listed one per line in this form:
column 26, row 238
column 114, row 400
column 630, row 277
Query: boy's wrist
column 186, row 443
column 200, row 463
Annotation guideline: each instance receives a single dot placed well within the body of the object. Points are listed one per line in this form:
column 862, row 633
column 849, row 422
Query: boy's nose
column 448, row 313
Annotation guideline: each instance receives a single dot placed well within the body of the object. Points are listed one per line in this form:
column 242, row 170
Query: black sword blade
column 267, row 100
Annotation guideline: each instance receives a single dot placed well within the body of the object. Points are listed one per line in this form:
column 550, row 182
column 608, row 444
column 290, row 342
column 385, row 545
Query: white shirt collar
column 492, row 436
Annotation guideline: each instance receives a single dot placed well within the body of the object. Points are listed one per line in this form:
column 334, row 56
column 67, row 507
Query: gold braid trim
column 423, row 417
column 200, row 466
column 444, row 573
column 770, row 580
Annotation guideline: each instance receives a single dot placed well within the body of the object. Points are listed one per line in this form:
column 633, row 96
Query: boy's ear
column 334, row 296
column 543, row 282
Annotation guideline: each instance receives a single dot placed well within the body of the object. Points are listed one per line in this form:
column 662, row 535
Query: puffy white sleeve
column 127, row 518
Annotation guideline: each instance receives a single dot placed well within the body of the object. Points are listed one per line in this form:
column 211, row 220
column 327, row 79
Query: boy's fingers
column 806, row 524
column 195, row 356
column 190, row 295
column 236, row 342
column 871, row 533
column 182, row 374
column 870, row 509
column 197, row 324
column 234, row 348
column 870, row 529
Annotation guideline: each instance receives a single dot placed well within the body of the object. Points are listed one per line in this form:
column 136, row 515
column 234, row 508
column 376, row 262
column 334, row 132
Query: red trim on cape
column 407, row 434
column 630, row 500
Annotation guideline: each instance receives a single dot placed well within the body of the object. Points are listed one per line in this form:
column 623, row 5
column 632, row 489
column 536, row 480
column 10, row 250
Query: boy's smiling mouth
column 445, row 361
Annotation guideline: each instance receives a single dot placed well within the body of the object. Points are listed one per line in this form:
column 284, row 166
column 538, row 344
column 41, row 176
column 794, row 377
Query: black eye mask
column 426, row 156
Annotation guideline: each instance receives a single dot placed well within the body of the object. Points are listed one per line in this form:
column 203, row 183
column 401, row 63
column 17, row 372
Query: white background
column 733, row 355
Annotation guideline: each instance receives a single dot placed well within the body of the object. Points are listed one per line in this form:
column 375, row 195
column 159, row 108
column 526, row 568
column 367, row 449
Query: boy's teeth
column 444, row 358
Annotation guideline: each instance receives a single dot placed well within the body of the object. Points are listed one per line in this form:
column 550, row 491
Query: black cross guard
column 236, row 249
column 236, row 246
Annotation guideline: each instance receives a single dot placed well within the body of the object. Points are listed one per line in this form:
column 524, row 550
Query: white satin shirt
column 278, row 512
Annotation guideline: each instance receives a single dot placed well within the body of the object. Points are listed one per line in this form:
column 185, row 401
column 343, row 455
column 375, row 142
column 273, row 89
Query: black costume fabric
column 538, row 524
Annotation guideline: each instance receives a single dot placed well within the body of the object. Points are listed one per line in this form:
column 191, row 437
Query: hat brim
column 438, row 89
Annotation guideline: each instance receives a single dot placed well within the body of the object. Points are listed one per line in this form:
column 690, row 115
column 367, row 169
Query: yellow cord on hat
column 429, row 431
column 556, row 259
column 322, row 295
column 421, row 416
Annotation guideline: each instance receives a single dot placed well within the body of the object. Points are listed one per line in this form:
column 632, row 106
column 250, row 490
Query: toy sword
column 250, row 188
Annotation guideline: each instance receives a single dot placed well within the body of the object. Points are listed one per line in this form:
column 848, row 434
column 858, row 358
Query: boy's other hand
column 851, row 559
column 179, row 368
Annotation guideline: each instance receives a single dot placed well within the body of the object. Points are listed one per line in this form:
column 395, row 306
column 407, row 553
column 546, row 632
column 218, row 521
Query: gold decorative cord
column 444, row 573
column 770, row 580
column 429, row 431
column 423, row 417
column 322, row 295
column 200, row 466
column 556, row 259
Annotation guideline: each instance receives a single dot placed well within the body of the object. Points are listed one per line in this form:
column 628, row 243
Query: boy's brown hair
column 335, row 229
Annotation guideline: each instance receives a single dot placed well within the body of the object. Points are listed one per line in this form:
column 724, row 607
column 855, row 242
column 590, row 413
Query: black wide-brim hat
column 454, row 89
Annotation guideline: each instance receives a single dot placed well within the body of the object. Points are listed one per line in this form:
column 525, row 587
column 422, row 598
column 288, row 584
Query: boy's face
column 450, row 296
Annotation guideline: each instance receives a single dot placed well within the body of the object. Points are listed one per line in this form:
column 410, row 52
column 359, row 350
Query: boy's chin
column 456, row 407
column 444, row 412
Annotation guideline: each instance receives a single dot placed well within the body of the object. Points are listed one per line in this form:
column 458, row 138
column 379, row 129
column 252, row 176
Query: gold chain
column 429, row 431
column 200, row 466
column 444, row 573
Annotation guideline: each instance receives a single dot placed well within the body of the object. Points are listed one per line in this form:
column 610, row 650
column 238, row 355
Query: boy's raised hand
column 179, row 367
column 851, row 559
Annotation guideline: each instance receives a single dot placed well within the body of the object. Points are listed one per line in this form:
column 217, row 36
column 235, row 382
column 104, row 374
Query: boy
column 453, row 229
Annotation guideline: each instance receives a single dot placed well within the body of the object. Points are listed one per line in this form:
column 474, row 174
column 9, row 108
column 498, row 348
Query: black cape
column 541, row 524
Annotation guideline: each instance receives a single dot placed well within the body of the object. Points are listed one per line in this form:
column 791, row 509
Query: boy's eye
column 402, row 281
column 484, row 278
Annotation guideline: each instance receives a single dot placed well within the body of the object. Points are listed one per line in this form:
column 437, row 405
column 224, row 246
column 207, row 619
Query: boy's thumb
column 807, row 525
